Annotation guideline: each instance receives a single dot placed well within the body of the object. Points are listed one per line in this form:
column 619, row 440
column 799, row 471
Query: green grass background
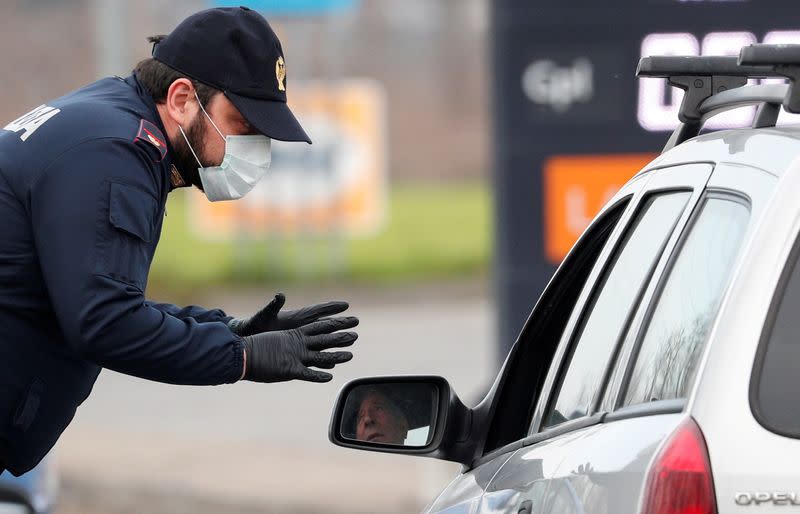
column 432, row 232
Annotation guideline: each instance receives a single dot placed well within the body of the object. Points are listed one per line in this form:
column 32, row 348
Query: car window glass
column 776, row 379
column 528, row 365
column 620, row 288
column 688, row 304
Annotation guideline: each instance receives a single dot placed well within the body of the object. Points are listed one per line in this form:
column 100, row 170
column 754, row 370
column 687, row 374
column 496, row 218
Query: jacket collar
column 176, row 179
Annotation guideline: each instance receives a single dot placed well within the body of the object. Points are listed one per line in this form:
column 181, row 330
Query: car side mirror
column 393, row 413
column 403, row 414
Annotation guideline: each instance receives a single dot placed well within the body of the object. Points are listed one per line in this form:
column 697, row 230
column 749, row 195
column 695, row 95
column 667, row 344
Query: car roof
column 771, row 149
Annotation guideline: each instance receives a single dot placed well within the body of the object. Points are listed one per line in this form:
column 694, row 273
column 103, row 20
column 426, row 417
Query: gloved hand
column 269, row 318
column 286, row 354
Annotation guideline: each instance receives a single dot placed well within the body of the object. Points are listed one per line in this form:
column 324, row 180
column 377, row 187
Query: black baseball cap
column 234, row 49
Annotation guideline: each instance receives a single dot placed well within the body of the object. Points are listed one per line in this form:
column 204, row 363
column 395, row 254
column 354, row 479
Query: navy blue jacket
column 83, row 185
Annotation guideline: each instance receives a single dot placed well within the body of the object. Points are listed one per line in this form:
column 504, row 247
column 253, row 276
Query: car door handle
column 526, row 507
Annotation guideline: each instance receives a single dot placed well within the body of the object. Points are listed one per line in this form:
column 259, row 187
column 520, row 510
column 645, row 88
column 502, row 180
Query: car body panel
column 528, row 474
column 586, row 471
column 771, row 149
column 463, row 494
column 606, row 476
column 746, row 458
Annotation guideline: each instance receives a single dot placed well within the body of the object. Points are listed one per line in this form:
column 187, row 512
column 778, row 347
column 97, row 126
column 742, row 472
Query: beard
column 183, row 158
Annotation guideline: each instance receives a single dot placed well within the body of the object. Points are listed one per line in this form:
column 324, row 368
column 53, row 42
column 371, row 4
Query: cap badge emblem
column 280, row 73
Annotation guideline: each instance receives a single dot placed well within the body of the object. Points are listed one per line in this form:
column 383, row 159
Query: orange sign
column 337, row 185
column 575, row 189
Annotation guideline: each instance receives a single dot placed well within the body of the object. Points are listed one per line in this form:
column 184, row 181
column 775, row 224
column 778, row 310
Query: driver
column 380, row 419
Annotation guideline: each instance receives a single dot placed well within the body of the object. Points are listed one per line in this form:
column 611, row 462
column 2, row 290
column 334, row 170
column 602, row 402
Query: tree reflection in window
column 618, row 295
column 680, row 325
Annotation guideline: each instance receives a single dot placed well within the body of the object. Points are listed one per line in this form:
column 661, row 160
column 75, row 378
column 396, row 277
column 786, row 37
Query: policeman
column 83, row 184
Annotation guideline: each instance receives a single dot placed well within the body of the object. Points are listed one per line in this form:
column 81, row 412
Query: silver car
column 659, row 372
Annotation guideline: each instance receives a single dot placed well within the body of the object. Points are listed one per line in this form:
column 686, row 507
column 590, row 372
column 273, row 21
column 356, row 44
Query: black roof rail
column 702, row 77
column 767, row 96
column 782, row 60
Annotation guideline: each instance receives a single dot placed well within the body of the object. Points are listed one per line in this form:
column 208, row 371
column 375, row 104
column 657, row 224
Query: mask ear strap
column 207, row 116
column 200, row 164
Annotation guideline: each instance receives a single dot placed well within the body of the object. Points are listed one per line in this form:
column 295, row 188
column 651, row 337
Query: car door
column 517, row 397
column 570, row 461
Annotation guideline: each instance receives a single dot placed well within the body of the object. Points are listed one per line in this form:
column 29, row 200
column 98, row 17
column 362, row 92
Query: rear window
column 775, row 397
column 618, row 294
column 676, row 334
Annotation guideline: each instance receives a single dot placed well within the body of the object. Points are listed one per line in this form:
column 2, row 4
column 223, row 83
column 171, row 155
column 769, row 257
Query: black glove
column 270, row 319
column 284, row 355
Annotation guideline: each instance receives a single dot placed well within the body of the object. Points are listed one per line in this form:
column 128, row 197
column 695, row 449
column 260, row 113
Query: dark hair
column 156, row 77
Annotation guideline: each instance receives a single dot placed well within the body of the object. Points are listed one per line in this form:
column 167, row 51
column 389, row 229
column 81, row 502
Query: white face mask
column 246, row 161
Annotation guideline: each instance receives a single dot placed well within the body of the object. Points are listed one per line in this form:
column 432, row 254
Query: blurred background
column 460, row 148
column 389, row 209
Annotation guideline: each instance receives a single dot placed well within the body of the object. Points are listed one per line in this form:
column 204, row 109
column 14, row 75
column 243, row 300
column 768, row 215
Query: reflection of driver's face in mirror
column 380, row 420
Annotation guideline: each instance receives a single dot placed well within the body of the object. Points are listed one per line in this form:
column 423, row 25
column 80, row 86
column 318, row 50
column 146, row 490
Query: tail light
column 679, row 481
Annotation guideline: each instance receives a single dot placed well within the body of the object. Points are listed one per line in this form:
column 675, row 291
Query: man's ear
column 181, row 105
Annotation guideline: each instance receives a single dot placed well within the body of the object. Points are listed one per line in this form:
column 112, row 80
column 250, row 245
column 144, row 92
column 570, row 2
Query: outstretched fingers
column 322, row 310
column 312, row 375
column 328, row 341
column 271, row 310
column 328, row 325
column 327, row 360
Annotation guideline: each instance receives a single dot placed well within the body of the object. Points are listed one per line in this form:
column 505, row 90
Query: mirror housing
column 451, row 421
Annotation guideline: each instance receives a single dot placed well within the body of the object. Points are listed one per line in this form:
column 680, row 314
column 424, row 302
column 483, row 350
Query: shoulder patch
column 151, row 135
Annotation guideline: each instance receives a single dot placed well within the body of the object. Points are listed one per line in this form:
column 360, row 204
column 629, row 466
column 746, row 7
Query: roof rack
column 784, row 60
column 701, row 78
column 767, row 96
column 713, row 84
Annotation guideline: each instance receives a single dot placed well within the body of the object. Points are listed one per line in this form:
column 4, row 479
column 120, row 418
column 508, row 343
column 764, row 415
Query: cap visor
column 273, row 119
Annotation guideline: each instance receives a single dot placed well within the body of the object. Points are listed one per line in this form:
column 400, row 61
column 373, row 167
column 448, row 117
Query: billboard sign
column 337, row 185
column 573, row 123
